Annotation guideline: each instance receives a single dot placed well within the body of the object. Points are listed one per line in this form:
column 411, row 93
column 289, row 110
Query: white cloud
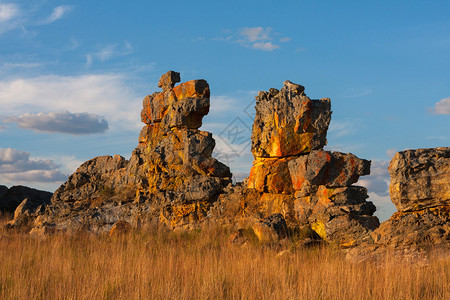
column 391, row 152
column 108, row 52
column 285, row 39
column 8, row 11
column 58, row 13
column 64, row 122
column 266, row 46
column 253, row 34
column 105, row 95
column 442, row 107
column 17, row 167
column 378, row 180
column 258, row 38
column 377, row 184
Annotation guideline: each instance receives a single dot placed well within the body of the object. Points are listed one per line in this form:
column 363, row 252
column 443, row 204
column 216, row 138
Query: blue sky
column 73, row 75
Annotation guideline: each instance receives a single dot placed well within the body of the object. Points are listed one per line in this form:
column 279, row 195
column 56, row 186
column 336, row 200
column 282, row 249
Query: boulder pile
column 293, row 176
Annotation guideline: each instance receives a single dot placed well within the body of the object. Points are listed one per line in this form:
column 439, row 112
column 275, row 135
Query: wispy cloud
column 391, row 152
column 266, row 46
column 10, row 17
column 13, row 16
column 58, row 13
column 253, row 34
column 8, row 11
column 260, row 38
column 22, row 65
column 257, row 38
column 357, row 92
column 63, row 122
column 108, row 52
column 341, row 128
column 442, row 107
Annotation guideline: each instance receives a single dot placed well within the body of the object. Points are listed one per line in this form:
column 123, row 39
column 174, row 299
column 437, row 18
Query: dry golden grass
column 168, row 265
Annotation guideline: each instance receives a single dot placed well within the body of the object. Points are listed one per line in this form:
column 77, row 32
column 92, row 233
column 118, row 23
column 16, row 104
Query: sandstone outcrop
column 420, row 185
column 293, row 176
column 420, row 179
column 170, row 178
column 420, row 189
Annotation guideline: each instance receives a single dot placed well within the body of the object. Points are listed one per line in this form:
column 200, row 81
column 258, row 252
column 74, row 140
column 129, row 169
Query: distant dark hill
column 12, row 197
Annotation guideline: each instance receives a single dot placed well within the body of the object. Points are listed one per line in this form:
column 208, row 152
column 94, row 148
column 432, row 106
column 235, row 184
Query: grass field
column 152, row 264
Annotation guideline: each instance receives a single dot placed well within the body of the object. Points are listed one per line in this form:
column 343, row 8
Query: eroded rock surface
column 420, row 178
column 289, row 123
column 170, row 178
column 293, row 176
column 420, row 185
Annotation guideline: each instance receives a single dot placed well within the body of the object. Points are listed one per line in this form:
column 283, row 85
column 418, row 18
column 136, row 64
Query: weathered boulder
column 177, row 107
column 11, row 198
column 340, row 215
column 287, row 122
column 420, row 178
column 419, row 229
column 271, row 229
column 27, row 211
column 168, row 80
column 420, row 189
column 331, row 169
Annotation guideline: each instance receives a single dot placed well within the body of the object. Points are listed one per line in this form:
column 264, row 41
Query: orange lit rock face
column 296, row 178
column 192, row 89
column 182, row 106
column 288, row 123
column 326, row 168
column 168, row 80
column 271, row 176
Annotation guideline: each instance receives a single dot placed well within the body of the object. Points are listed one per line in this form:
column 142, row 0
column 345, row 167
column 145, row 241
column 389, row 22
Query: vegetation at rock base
column 156, row 264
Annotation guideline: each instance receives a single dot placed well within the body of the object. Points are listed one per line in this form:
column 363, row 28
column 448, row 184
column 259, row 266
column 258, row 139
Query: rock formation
column 11, row 198
column 294, row 185
column 420, row 189
column 170, row 178
column 293, row 176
